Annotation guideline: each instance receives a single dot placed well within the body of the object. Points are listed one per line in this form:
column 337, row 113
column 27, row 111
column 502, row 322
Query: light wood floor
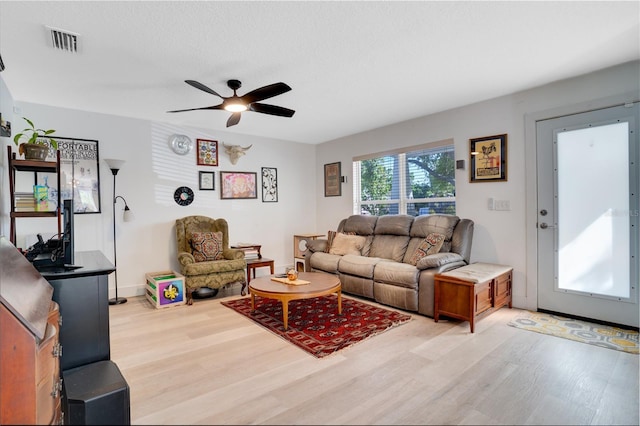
column 206, row 364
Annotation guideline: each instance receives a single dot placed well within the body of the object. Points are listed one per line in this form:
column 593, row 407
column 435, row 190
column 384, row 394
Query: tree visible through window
column 416, row 182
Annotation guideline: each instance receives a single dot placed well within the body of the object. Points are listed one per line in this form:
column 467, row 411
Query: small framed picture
column 207, row 181
column 332, row 182
column 207, row 152
column 269, row 185
column 488, row 159
column 238, row 185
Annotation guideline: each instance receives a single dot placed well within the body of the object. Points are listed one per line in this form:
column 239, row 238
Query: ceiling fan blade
column 195, row 109
column 202, row 87
column 265, row 92
column 234, row 119
column 272, row 109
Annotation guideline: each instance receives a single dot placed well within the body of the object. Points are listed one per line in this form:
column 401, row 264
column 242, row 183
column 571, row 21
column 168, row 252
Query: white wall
column 147, row 244
column 147, row 180
column 500, row 236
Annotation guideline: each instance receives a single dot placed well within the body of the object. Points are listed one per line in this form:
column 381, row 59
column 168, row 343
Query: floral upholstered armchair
column 204, row 254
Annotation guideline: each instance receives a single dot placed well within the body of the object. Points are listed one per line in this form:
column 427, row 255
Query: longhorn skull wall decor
column 235, row 151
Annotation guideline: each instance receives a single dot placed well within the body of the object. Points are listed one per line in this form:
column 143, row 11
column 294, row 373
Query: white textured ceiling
column 353, row 66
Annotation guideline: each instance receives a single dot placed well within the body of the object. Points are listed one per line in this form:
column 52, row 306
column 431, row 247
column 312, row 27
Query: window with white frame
column 414, row 181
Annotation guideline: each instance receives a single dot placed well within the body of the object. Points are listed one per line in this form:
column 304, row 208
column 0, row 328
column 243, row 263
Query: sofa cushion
column 394, row 224
column 325, row 262
column 318, row 245
column 430, row 245
column 391, row 247
column 400, row 274
column 347, row 244
column 438, row 259
column 331, row 235
column 358, row 265
column 207, row 246
column 364, row 225
column 206, row 268
column 435, row 223
column 360, row 224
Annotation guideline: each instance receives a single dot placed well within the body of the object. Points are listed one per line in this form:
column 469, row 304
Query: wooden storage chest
column 475, row 289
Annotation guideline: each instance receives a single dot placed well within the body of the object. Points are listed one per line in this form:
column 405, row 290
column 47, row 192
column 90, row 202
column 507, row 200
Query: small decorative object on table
column 292, row 274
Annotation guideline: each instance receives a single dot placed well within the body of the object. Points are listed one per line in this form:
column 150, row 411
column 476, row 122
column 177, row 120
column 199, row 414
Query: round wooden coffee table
column 320, row 284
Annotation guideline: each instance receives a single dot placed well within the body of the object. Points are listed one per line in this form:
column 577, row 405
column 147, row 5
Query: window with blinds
column 415, row 181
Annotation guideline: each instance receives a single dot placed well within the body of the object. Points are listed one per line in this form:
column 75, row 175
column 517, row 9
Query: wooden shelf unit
column 298, row 250
column 17, row 165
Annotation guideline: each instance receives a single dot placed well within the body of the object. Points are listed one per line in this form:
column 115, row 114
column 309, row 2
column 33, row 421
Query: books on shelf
column 27, row 202
column 251, row 251
column 246, row 245
column 251, row 254
column 24, row 201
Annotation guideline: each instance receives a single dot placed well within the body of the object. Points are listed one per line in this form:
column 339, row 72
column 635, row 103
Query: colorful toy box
column 165, row 288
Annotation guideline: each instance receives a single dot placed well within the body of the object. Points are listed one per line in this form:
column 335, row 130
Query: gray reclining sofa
column 382, row 266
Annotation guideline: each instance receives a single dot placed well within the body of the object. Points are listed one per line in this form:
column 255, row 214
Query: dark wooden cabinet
column 83, row 296
column 31, row 384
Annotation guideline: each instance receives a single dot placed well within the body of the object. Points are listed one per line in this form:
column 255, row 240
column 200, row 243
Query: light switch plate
column 503, row 205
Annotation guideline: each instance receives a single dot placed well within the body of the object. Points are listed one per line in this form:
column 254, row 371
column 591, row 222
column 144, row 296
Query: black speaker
column 96, row 394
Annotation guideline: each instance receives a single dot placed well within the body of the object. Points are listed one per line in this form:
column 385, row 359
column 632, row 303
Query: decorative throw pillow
column 430, row 245
column 330, row 237
column 347, row 244
column 207, row 246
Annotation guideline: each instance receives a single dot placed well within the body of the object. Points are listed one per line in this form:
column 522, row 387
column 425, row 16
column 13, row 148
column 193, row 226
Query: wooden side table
column 252, row 264
column 475, row 289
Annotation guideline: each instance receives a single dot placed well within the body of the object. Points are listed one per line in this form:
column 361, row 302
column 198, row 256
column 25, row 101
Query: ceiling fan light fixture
column 248, row 102
column 235, row 107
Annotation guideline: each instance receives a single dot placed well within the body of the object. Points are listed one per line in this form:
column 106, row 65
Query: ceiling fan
column 247, row 102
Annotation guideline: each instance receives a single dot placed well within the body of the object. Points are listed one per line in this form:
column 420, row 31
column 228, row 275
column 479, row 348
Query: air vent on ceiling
column 64, row 40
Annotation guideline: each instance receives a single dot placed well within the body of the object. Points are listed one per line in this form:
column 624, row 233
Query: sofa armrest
column 438, row 259
column 317, row 245
column 232, row 254
column 185, row 258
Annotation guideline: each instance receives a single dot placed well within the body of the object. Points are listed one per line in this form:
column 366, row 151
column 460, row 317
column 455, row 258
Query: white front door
column 588, row 181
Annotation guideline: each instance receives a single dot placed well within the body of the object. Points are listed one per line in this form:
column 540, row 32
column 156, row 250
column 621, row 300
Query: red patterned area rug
column 314, row 324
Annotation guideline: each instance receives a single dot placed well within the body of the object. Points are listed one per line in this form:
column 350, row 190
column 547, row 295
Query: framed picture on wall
column 79, row 174
column 269, row 185
column 332, row 187
column 488, row 159
column 207, row 181
column 238, row 185
column 207, row 151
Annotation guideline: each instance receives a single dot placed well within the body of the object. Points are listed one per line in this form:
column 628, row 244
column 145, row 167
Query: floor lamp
column 115, row 165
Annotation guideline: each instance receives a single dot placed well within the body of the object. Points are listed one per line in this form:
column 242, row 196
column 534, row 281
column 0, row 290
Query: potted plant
column 37, row 145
